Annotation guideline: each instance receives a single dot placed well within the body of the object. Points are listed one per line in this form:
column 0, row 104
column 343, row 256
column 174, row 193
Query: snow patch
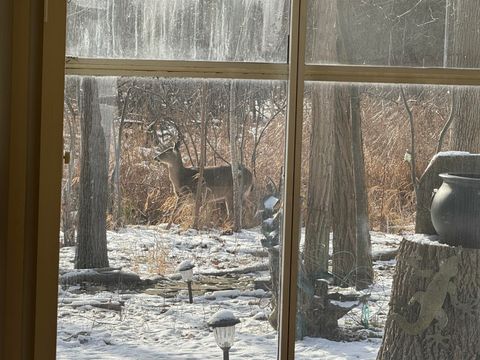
column 163, row 325
column 185, row 265
column 423, row 239
column 449, row 153
column 270, row 203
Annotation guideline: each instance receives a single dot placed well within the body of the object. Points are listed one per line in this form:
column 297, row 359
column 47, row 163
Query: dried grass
column 147, row 196
column 154, row 261
column 386, row 137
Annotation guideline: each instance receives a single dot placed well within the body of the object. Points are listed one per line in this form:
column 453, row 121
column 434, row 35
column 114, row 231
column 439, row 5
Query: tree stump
column 271, row 229
column 317, row 316
column 434, row 303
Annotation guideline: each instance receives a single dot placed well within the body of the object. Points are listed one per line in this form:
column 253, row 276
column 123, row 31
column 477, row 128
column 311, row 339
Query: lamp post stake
column 190, row 295
column 226, row 355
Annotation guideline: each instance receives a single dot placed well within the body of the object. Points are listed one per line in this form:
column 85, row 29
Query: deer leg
column 174, row 212
column 229, row 206
column 246, row 199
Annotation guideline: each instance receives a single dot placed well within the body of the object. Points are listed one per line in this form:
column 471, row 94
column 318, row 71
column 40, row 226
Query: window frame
column 34, row 46
column 296, row 72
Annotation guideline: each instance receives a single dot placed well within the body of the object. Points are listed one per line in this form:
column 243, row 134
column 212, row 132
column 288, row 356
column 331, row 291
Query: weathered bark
column 406, row 335
column 274, row 267
column 320, row 176
column 466, row 123
column 363, row 256
column 430, row 180
column 320, row 182
column 109, row 278
column 91, row 249
column 384, row 255
column 203, row 155
column 117, row 192
column 344, row 217
column 110, row 305
column 446, row 126
column 316, row 316
column 346, row 225
column 466, row 54
column 413, row 154
column 272, row 217
column 68, row 218
column 319, row 314
column 239, row 270
column 235, row 158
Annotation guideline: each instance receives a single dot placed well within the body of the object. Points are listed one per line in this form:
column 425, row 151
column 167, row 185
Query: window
column 364, row 84
column 174, row 85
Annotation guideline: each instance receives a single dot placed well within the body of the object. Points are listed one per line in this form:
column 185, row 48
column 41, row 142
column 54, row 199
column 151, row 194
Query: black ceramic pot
column 455, row 210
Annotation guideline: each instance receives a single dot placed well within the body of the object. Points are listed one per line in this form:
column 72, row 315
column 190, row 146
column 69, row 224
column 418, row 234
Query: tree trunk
column 311, row 320
column 364, row 267
column 91, row 238
column 316, row 316
column 274, row 265
column 320, row 162
column 236, row 202
column 203, row 155
column 345, row 224
column 344, row 217
column 466, row 54
column 317, row 227
column 320, row 316
column 68, row 219
column 117, row 192
column 433, row 308
column 466, row 126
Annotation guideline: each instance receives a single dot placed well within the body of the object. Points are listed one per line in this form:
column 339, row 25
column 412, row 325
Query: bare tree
column 413, row 154
column 315, row 315
column 363, row 255
column 351, row 238
column 91, row 249
column 117, row 194
column 446, row 126
column 68, row 206
column 320, row 182
column 344, row 216
column 235, row 156
column 203, row 155
column 466, row 54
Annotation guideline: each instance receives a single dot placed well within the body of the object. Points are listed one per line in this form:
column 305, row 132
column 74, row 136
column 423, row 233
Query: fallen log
column 111, row 305
column 384, row 255
column 115, row 278
column 239, row 270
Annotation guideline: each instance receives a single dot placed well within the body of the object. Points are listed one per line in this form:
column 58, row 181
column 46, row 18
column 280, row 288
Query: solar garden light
column 186, row 270
column 223, row 323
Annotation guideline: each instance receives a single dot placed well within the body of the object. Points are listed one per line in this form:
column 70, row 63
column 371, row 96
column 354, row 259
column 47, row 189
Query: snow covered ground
column 159, row 323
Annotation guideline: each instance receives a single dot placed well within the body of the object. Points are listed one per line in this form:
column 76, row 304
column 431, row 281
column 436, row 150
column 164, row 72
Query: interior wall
column 5, row 81
column 32, row 56
column 21, row 89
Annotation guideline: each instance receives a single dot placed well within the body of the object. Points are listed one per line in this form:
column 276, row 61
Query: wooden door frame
column 34, row 122
column 33, row 160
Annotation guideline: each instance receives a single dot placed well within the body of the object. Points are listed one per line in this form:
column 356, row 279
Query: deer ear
column 177, row 145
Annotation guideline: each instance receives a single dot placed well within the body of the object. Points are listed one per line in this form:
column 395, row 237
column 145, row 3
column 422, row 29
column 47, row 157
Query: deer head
column 171, row 156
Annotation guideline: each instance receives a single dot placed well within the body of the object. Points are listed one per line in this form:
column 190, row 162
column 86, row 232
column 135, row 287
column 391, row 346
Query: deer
column 218, row 180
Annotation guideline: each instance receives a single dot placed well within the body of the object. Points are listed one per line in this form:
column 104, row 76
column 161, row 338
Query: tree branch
column 446, row 126
column 412, row 142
